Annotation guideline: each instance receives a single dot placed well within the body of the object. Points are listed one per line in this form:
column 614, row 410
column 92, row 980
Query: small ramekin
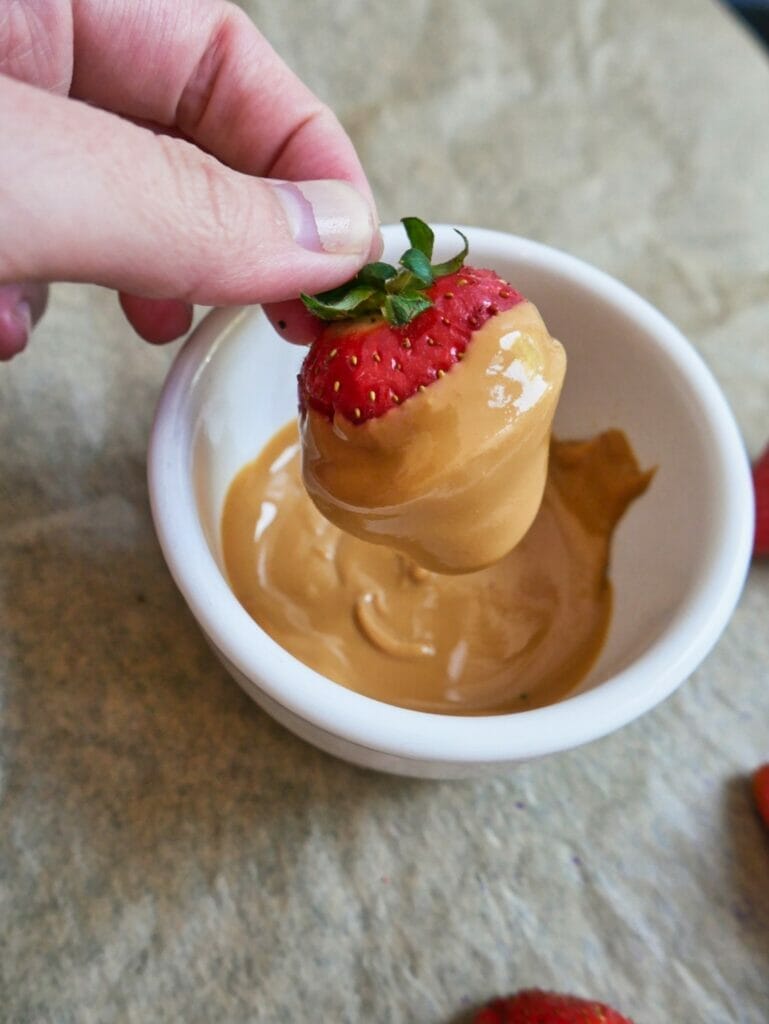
column 679, row 558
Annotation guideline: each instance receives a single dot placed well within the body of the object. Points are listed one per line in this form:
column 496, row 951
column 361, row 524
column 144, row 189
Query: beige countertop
column 167, row 852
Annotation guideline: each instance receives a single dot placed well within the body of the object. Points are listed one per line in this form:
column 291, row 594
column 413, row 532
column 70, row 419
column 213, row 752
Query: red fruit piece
column 392, row 331
column 761, row 792
column 362, row 368
column 761, row 487
column 536, row 1007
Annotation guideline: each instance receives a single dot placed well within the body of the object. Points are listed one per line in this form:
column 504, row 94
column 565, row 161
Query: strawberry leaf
column 403, row 281
column 401, row 309
column 420, row 235
column 337, row 304
column 452, row 266
column 376, row 274
column 380, row 288
column 418, row 264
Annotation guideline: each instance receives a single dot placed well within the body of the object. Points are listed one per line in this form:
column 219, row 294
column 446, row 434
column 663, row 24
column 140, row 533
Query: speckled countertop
column 168, row 853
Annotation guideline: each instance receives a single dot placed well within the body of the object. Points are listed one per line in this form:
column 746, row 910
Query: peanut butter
column 454, row 477
column 518, row 634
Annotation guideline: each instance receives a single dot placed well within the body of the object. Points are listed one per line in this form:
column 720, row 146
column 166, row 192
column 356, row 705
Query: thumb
column 87, row 196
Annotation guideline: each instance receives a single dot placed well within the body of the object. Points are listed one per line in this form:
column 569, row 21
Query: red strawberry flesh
column 761, row 792
column 536, row 1007
column 363, row 368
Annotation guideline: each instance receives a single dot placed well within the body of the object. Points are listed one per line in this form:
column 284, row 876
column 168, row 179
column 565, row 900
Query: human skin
column 144, row 146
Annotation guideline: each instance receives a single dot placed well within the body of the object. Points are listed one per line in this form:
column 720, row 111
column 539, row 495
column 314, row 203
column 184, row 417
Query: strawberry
column 761, row 487
column 536, row 1007
column 761, row 792
column 389, row 333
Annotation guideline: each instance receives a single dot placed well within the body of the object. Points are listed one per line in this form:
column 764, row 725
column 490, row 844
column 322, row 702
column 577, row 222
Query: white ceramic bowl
column 679, row 557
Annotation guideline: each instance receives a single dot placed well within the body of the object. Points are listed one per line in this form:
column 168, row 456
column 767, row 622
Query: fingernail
column 327, row 216
column 15, row 326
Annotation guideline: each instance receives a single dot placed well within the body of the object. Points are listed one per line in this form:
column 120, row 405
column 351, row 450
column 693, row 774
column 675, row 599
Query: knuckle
column 35, row 43
column 213, row 206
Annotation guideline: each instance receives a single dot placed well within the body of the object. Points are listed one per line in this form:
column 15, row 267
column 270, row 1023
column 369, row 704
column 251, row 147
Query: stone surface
column 168, row 853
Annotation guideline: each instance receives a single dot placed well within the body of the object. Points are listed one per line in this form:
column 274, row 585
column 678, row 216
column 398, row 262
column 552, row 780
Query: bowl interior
column 619, row 375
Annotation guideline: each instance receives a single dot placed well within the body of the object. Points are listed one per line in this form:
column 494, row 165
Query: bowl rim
column 426, row 736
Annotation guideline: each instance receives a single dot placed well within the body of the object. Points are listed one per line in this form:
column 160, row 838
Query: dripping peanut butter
column 455, row 476
column 518, row 634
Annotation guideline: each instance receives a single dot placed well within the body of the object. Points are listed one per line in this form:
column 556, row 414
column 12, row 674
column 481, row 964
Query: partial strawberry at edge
column 536, row 1007
column 761, row 792
column 761, row 488
column 392, row 331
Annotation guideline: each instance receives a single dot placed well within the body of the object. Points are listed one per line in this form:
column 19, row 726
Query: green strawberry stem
column 380, row 288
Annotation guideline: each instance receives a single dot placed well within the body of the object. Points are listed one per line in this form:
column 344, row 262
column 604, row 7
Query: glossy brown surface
column 454, row 477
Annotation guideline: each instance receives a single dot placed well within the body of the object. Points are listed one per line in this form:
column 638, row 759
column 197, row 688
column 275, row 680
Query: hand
column 195, row 168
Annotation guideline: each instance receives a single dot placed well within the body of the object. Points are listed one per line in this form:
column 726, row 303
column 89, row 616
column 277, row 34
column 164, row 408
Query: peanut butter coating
column 452, row 478
column 516, row 635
